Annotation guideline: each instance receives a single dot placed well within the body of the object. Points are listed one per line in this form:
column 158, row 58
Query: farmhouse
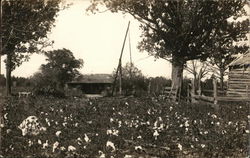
column 239, row 77
column 93, row 84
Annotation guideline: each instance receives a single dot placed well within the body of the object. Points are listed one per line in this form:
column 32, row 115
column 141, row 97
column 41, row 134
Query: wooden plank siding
column 239, row 82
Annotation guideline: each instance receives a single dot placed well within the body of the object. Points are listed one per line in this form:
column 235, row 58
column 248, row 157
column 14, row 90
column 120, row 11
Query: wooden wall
column 239, row 82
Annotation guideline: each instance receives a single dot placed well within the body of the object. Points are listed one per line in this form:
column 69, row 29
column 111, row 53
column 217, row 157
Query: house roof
column 243, row 60
column 94, row 78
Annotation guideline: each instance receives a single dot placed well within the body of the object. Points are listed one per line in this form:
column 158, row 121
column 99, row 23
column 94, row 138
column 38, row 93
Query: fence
column 217, row 95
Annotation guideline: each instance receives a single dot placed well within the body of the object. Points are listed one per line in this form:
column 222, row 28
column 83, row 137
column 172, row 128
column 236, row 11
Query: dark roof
column 243, row 60
column 94, row 78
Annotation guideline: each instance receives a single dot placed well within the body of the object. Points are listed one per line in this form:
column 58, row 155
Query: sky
column 97, row 39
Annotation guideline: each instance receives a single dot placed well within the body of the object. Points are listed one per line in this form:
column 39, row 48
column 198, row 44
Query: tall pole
column 1, row 104
column 130, row 54
column 120, row 61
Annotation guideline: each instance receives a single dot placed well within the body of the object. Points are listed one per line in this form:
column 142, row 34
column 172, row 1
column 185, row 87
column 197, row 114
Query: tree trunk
column 177, row 76
column 8, row 75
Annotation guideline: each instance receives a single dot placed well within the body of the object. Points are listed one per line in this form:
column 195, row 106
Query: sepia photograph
column 124, row 79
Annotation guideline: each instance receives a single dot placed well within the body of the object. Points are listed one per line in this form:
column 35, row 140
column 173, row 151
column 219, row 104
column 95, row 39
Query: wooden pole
column 247, row 90
column 1, row 36
column 215, row 91
column 120, row 79
column 188, row 93
column 120, row 59
column 1, row 104
column 192, row 91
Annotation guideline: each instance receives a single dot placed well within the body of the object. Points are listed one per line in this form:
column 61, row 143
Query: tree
column 226, row 47
column 61, row 68
column 178, row 30
column 25, row 24
column 199, row 70
column 132, row 79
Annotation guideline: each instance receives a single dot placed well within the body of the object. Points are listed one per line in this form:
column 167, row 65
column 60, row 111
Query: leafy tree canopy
column 61, row 68
column 181, row 29
column 25, row 24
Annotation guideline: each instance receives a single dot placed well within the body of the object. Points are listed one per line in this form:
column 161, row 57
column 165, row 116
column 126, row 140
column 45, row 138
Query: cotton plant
column 31, row 126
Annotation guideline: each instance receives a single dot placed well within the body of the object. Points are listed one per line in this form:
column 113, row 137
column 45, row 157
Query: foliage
column 181, row 29
column 61, row 68
column 132, row 80
column 157, row 84
column 135, row 126
column 25, row 26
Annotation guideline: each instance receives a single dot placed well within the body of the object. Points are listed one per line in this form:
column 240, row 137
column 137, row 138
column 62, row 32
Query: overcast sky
column 97, row 39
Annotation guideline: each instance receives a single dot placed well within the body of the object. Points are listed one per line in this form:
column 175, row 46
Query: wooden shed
column 93, row 84
column 239, row 77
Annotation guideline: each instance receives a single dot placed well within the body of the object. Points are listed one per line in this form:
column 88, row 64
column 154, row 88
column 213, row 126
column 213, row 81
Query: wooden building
column 239, row 77
column 93, row 84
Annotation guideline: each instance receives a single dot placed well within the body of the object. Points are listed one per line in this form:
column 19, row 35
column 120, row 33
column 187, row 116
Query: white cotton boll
column 248, row 116
column 111, row 120
column 213, row 116
column 206, row 132
column 8, row 131
column 30, row 143
column 139, row 137
column 46, row 144
column 5, row 116
column 58, row 133
column 119, row 123
column 186, row 124
column 111, row 145
column 86, row 138
column 64, row 124
column 128, row 156
column 39, row 141
column 79, row 139
column 62, row 148
column 102, row 155
column 247, row 131
column 126, row 103
column 138, row 148
column 217, row 123
column 155, row 124
column 180, row 146
column 203, row 145
column 47, row 120
column 170, row 108
column 55, row 145
column 229, row 123
column 71, row 148
column 156, row 134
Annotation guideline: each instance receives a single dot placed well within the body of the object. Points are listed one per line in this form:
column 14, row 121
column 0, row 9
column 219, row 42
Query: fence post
column 188, row 93
column 215, row 91
column 192, row 91
column 247, row 90
column 149, row 86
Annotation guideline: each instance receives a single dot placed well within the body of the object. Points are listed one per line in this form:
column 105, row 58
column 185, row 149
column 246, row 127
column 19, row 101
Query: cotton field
column 123, row 128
